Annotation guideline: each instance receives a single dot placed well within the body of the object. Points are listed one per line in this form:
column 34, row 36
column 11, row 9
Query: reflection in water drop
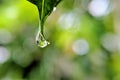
column 41, row 40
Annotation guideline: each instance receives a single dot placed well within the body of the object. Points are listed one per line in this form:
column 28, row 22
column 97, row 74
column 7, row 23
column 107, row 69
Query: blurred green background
column 84, row 37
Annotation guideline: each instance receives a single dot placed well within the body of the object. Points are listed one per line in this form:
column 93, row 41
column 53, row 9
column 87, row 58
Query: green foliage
column 83, row 46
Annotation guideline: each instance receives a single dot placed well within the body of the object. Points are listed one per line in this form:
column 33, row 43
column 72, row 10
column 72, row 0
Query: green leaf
column 45, row 7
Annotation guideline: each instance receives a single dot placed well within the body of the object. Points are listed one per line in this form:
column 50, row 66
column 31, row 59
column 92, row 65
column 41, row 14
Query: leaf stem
column 42, row 17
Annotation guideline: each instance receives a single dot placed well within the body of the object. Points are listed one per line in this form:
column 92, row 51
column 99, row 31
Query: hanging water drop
column 41, row 42
column 40, row 39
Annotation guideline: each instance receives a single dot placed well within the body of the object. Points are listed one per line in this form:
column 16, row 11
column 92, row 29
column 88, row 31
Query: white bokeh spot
column 80, row 47
column 99, row 8
column 4, row 55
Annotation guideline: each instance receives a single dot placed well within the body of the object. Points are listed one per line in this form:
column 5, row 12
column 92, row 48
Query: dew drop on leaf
column 40, row 39
column 41, row 42
column 54, row 9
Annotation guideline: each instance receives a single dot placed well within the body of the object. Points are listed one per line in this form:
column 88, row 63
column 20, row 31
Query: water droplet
column 41, row 41
column 54, row 9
